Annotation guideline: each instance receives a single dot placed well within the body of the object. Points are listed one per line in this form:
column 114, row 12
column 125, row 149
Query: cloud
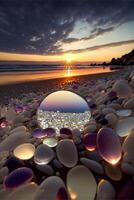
column 93, row 48
column 96, row 32
column 40, row 26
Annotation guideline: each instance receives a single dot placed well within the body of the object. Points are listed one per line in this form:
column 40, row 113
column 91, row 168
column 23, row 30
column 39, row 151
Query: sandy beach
column 14, row 89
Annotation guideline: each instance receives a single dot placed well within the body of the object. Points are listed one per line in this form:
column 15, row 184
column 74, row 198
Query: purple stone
column 18, row 109
column 109, row 145
column 89, row 141
column 38, row 133
column 18, row 177
column 49, row 132
column 66, row 131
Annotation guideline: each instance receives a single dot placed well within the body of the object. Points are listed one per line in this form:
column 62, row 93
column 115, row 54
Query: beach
column 13, row 86
column 92, row 136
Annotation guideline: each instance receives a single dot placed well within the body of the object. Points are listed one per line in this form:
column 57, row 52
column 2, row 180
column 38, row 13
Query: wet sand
column 14, row 90
column 27, row 76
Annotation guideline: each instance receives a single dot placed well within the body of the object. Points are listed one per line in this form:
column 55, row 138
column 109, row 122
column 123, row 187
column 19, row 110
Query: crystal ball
column 63, row 109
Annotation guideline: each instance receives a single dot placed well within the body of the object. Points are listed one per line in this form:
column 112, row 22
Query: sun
column 69, row 58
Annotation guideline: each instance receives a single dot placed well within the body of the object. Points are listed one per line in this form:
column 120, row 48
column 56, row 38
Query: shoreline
column 14, row 90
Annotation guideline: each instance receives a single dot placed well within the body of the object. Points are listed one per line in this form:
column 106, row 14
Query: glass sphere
column 63, row 109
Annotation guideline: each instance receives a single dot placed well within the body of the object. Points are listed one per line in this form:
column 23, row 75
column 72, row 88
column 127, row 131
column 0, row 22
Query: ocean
column 21, row 73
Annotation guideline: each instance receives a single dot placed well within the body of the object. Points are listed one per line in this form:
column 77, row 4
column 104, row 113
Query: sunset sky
column 52, row 30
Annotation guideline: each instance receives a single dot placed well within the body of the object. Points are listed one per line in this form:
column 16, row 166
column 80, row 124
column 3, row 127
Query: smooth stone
column 51, row 142
column 26, row 191
column 49, row 188
column 129, row 104
column 81, row 183
column 90, row 128
column 3, row 173
column 43, row 154
column 122, row 88
column 124, row 126
column 113, row 172
column 18, row 177
column 77, row 140
column 46, row 169
column 112, row 119
column 24, row 151
column 67, row 153
column 57, row 164
column 18, row 129
column 94, row 155
column 13, row 140
column 92, row 165
column 109, row 145
column 127, row 168
column 105, row 191
column 76, row 133
column 123, row 112
column 89, row 141
column 128, row 143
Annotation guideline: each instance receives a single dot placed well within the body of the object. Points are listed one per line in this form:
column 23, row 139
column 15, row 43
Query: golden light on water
column 68, row 72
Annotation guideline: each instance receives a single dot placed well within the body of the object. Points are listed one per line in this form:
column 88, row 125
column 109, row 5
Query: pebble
column 49, row 188
column 124, row 126
column 67, row 153
column 92, row 165
column 112, row 119
column 81, row 183
column 13, row 140
column 105, row 191
column 26, row 191
column 129, row 104
column 46, row 169
column 122, row 88
column 43, row 154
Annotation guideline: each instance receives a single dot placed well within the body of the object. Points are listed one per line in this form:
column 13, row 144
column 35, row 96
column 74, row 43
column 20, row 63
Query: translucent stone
column 81, row 183
column 123, row 112
column 24, row 151
column 43, row 155
column 63, row 109
column 67, row 153
column 89, row 141
column 38, row 133
column 51, row 142
column 109, row 145
column 124, row 126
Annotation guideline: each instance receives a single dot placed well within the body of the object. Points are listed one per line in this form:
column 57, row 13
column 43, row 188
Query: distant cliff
column 127, row 59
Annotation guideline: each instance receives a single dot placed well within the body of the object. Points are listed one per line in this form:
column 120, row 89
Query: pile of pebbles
column 96, row 163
